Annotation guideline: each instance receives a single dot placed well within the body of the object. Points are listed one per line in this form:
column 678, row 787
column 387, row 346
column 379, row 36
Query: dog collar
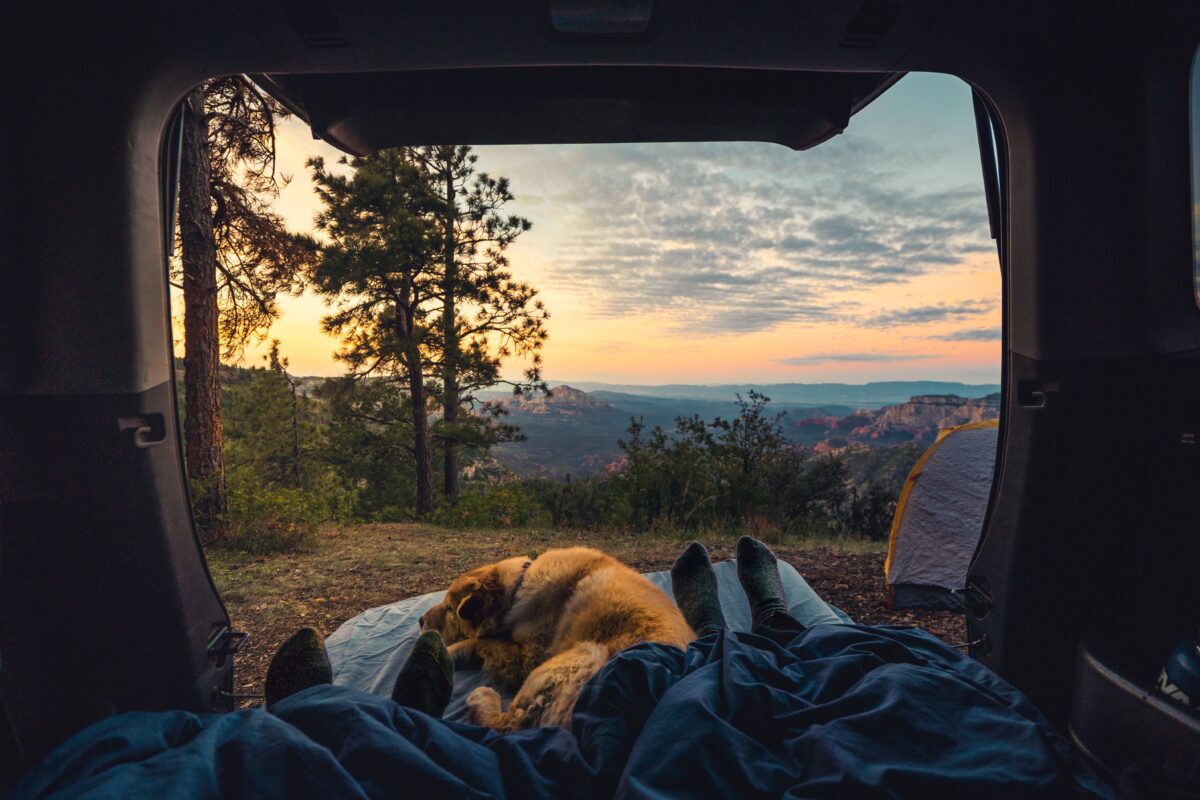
column 518, row 582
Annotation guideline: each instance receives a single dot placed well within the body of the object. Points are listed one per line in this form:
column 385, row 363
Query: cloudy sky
column 866, row 258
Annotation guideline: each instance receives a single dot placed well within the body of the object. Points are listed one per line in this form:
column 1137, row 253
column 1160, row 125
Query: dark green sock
column 299, row 663
column 695, row 588
column 758, row 573
column 427, row 677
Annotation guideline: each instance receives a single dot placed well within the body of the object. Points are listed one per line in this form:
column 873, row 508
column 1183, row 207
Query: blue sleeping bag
column 840, row 711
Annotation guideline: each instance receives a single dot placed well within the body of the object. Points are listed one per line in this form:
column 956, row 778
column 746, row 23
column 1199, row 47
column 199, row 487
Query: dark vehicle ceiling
column 362, row 113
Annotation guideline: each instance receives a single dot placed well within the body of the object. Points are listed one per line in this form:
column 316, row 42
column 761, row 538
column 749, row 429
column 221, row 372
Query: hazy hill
column 563, row 401
column 567, row 433
column 864, row 395
column 575, row 433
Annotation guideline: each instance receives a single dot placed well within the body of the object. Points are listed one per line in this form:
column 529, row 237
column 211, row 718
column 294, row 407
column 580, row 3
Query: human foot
column 758, row 572
column 427, row 677
column 299, row 663
column 694, row 585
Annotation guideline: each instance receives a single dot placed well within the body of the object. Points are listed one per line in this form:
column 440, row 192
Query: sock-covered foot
column 694, row 585
column 299, row 663
column 758, row 573
column 427, row 677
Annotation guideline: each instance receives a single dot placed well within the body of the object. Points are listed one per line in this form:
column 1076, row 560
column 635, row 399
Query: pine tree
column 380, row 269
column 236, row 257
column 368, row 443
column 486, row 315
column 266, row 427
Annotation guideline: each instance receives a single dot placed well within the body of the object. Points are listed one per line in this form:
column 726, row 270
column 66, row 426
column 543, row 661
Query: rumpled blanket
column 839, row 711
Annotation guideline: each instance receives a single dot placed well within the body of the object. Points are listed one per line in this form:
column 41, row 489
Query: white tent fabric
column 939, row 517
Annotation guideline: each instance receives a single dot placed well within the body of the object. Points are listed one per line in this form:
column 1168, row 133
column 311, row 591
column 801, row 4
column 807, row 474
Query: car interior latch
column 225, row 643
column 975, row 596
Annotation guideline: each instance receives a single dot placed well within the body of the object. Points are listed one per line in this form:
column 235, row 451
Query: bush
column 331, row 496
column 388, row 513
column 262, row 518
column 589, row 504
column 815, row 526
column 505, row 505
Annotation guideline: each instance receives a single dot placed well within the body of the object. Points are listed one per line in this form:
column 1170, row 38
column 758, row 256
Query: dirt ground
column 351, row 569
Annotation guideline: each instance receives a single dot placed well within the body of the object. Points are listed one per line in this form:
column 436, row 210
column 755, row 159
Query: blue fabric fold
column 839, row 711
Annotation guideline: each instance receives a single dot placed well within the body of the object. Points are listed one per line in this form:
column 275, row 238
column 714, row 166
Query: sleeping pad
column 839, row 711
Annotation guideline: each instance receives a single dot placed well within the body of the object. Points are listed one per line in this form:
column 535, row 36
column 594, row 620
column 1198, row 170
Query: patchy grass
column 346, row 570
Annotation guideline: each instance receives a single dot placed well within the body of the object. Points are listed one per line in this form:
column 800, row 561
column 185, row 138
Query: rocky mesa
column 937, row 411
column 563, row 401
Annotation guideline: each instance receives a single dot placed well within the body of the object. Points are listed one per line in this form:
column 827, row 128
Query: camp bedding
column 839, row 711
column 367, row 650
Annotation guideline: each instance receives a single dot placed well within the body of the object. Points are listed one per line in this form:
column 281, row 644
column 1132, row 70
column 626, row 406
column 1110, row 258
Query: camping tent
column 939, row 517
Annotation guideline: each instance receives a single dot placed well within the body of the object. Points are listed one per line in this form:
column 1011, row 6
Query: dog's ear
column 483, row 599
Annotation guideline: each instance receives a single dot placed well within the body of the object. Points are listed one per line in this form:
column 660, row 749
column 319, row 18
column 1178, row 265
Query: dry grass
column 347, row 570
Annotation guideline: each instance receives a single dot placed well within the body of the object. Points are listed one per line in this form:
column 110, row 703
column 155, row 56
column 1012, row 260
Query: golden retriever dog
column 543, row 627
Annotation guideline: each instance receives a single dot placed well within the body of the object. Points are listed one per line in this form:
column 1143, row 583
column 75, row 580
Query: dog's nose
column 421, row 621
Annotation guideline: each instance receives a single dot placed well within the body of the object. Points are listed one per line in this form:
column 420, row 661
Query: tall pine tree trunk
column 201, row 341
column 422, row 452
column 450, row 350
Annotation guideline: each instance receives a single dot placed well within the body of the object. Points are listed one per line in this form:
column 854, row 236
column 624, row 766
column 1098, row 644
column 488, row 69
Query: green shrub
column 266, row 519
column 588, row 504
column 331, row 496
column 504, row 505
column 389, row 513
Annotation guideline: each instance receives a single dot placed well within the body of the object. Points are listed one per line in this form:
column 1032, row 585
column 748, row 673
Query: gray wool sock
column 694, row 585
column 299, row 663
column 426, row 680
column 758, row 572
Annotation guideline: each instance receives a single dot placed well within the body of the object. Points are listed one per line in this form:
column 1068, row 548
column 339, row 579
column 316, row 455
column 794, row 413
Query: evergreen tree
column 236, row 256
column 746, row 444
column 733, row 473
column 270, row 427
column 486, row 315
column 380, row 269
column 369, row 444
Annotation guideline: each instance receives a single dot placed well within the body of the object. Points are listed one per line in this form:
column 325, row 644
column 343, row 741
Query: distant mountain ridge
column 873, row 394
column 938, row 411
column 575, row 433
column 563, row 400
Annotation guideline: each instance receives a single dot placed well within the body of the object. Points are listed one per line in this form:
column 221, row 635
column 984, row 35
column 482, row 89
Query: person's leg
column 424, row 683
column 695, row 588
column 426, row 680
column 299, row 663
column 758, row 572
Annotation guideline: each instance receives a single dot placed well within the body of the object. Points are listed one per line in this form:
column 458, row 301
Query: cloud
column 922, row 315
column 727, row 237
column 828, row 358
column 740, row 237
column 971, row 335
column 791, row 242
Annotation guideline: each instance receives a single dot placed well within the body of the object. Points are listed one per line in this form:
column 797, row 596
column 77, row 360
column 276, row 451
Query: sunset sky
column 866, row 258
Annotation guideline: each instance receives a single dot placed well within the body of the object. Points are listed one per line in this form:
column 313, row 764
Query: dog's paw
column 464, row 654
column 483, row 704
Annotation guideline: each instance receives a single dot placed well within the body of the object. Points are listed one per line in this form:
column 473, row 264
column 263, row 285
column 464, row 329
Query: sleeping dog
column 543, row 627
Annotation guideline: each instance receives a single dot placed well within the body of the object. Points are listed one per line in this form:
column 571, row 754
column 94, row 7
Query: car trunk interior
column 1086, row 572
